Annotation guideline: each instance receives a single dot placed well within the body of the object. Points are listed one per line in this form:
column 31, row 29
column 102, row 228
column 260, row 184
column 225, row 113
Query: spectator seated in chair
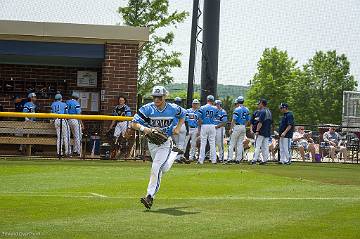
column 333, row 139
column 304, row 143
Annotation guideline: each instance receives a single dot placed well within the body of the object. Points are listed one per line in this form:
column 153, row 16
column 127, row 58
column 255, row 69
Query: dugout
column 99, row 61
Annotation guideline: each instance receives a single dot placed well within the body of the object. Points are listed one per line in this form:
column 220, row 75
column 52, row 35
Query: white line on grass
column 95, row 195
column 99, row 195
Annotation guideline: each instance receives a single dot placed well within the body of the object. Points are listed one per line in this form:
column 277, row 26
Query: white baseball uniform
column 207, row 114
column 163, row 157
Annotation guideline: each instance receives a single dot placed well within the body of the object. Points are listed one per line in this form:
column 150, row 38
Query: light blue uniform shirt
column 150, row 116
column 221, row 117
column 192, row 118
column 29, row 107
column 207, row 113
column 74, row 107
column 241, row 115
column 58, row 107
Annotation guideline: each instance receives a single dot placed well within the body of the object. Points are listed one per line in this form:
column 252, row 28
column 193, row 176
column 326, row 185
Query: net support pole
column 210, row 50
column 190, row 89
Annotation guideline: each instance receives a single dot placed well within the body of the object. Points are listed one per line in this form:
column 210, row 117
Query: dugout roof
column 63, row 44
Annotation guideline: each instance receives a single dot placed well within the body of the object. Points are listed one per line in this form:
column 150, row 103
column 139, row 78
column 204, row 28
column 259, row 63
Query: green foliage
column 314, row 92
column 318, row 93
column 155, row 61
column 228, row 105
column 273, row 81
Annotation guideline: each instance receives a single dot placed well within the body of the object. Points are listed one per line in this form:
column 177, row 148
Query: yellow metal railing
column 63, row 116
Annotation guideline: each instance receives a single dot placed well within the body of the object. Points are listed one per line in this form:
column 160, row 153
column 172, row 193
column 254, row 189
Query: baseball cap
column 283, row 106
column 196, row 101
column 31, row 95
column 263, row 101
column 210, row 98
column 240, row 99
column 159, row 91
column 177, row 99
column 58, row 97
column 218, row 102
column 76, row 95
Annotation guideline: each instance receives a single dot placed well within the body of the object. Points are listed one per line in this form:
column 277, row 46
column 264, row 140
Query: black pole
column 210, row 51
column 190, row 89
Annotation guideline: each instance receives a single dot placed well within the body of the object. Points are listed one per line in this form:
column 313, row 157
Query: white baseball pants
column 121, row 128
column 63, row 136
column 285, row 147
column 75, row 127
column 208, row 132
column 163, row 158
column 261, row 145
column 236, row 140
column 179, row 139
column 219, row 139
column 192, row 137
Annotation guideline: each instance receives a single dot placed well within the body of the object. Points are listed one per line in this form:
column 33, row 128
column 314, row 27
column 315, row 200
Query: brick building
column 100, row 62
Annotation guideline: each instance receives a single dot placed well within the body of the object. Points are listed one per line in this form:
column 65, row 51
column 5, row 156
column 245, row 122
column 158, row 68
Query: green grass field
column 97, row 199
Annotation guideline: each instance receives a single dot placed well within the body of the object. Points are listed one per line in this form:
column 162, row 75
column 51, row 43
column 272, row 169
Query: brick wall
column 119, row 74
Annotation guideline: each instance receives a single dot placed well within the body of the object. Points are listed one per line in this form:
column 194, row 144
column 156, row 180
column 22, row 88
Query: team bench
column 27, row 133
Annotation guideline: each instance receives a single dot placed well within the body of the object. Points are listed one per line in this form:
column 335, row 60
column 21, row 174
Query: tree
column 318, row 93
column 155, row 61
column 276, row 72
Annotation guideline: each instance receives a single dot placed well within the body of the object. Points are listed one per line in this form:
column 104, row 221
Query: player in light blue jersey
column 180, row 138
column 159, row 114
column 192, row 122
column 75, row 125
column 30, row 106
column 207, row 114
column 62, row 126
column 240, row 119
column 220, row 123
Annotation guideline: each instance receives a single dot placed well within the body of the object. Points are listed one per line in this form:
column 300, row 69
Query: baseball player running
column 207, row 114
column 192, row 121
column 30, row 106
column 155, row 119
column 239, row 121
column 61, row 125
column 74, row 124
column 180, row 138
column 220, row 123
column 263, row 132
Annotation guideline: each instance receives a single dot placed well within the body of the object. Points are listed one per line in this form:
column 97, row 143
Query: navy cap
column 284, row 106
column 177, row 100
column 263, row 101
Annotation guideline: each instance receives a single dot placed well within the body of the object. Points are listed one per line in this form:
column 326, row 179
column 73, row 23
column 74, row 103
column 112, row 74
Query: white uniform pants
column 179, row 139
column 63, row 136
column 219, row 139
column 75, row 127
column 163, row 158
column 236, row 142
column 208, row 132
column 192, row 137
column 121, row 128
column 285, row 147
column 261, row 144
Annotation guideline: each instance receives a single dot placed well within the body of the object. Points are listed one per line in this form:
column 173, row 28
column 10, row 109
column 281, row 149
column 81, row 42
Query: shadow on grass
column 172, row 211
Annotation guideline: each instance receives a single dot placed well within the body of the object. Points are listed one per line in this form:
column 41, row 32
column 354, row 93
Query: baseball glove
column 156, row 136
